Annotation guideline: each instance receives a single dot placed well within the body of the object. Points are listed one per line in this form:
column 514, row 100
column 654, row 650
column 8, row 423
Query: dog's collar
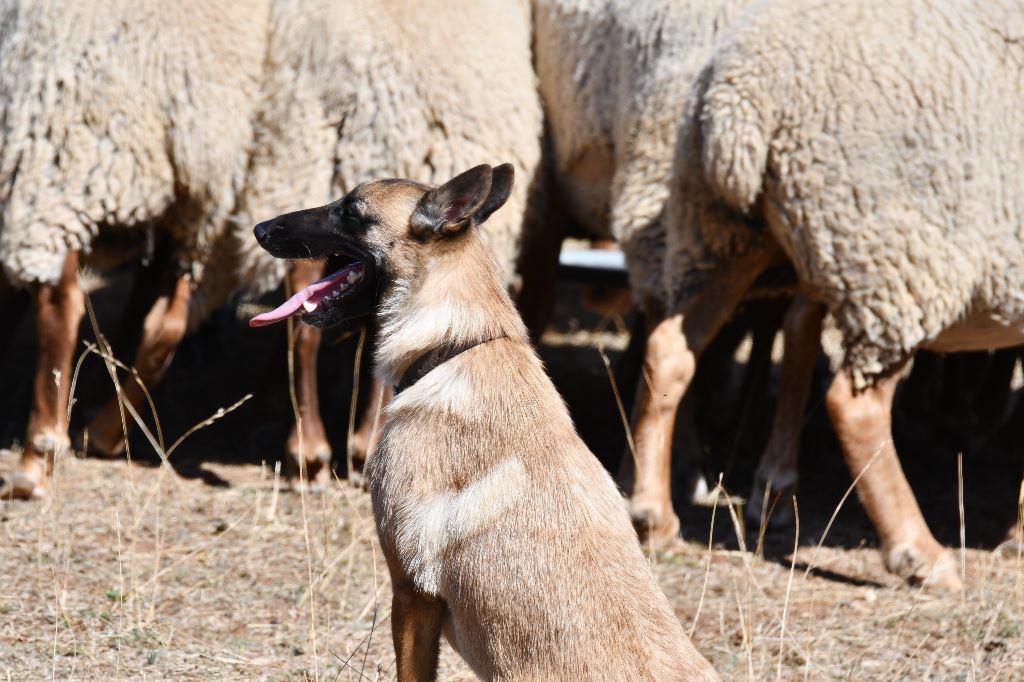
column 431, row 360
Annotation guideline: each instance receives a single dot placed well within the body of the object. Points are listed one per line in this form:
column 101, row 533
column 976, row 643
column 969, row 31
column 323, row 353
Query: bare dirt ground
column 208, row 568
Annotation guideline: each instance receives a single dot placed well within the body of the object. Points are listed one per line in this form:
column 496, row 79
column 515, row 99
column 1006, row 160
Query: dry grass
column 126, row 573
column 130, row 572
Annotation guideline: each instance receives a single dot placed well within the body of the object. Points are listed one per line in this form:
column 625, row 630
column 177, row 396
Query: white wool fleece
column 417, row 89
column 614, row 76
column 126, row 113
column 879, row 142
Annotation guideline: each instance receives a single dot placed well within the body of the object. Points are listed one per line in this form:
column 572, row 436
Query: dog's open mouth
column 318, row 298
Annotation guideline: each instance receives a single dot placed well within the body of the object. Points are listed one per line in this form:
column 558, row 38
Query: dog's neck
column 423, row 366
column 454, row 302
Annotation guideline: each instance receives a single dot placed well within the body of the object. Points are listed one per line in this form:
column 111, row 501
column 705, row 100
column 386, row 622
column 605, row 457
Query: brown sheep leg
column 674, row 344
column 778, row 466
column 162, row 330
column 667, row 370
column 308, row 448
column 366, row 435
column 59, row 311
column 863, row 424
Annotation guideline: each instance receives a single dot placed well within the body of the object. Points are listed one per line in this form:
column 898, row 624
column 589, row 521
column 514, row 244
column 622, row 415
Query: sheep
column 402, row 88
column 874, row 145
column 614, row 77
column 775, row 479
column 122, row 128
column 285, row 130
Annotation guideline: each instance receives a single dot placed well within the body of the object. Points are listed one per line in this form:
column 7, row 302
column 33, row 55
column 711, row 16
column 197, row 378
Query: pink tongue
column 313, row 293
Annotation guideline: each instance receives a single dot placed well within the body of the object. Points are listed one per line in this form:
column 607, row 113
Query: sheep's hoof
column 655, row 525
column 317, row 471
column 1013, row 545
column 23, row 484
column 702, row 495
column 357, row 457
column 103, row 441
column 358, row 447
column 318, row 484
column 358, row 481
column 778, row 512
column 101, row 450
column 932, row 567
column 105, row 434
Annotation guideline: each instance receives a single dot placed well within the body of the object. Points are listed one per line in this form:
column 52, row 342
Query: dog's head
column 387, row 231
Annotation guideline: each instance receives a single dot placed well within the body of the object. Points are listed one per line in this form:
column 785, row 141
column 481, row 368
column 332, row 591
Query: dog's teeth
column 309, row 307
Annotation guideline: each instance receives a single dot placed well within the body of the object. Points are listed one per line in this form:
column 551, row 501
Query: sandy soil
column 130, row 572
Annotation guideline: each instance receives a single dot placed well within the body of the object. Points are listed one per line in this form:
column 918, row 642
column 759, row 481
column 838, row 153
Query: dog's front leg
column 416, row 620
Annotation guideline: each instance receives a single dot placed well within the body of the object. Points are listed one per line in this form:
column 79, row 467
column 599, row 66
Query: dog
column 501, row 530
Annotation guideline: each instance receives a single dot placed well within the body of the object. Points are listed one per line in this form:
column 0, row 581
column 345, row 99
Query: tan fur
column 863, row 423
column 59, row 309
column 499, row 526
column 488, row 501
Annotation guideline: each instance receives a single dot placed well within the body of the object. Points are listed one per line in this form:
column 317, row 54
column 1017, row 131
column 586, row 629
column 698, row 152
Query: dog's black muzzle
column 301, row 234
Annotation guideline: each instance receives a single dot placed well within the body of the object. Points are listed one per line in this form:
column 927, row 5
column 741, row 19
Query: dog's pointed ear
column 502, row 178
column 465, row 200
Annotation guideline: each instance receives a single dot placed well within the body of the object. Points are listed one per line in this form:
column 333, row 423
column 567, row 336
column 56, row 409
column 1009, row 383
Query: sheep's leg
column 674, row 343
column 748, row 418
column 627, row 377
column 58, row 313
column 863, row 424
column 777, row 471
column 308, row 448
column 689, row 467
column 148, row 284
column 126, row 335
column 365, row 437
column 162, row 330
column 1014, row 542
column 646, row 473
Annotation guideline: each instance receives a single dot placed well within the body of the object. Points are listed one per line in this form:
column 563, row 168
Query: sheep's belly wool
column 121, row 114
column 885, row 138
column 615, row 76
column 364, row 89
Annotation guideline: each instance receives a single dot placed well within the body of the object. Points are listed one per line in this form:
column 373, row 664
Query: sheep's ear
column 465, row 200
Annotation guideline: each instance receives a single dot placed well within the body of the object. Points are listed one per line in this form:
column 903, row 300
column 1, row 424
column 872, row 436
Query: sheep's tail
column 737, row 122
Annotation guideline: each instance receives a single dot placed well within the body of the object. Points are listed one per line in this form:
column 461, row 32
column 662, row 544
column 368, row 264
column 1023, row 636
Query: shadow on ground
column 225, row 360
